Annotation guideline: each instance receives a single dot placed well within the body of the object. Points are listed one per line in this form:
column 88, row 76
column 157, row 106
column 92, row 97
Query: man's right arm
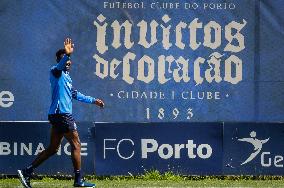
column 57, row 70
column 69, row 48
column 62, row 63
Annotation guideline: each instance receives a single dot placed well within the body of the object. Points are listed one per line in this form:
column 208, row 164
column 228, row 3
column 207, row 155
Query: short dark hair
column 59, row 54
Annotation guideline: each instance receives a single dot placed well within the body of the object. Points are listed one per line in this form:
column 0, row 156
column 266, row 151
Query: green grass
column 153, row 179
column 53, row 183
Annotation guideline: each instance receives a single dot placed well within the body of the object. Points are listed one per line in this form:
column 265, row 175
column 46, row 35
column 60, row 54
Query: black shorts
column 63, row 123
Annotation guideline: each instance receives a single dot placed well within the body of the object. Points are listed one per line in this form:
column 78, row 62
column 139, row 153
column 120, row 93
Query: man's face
column 68, row 65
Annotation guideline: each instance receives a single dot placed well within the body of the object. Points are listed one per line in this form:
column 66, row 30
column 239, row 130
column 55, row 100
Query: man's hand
column 100, row 103
column 69, row 47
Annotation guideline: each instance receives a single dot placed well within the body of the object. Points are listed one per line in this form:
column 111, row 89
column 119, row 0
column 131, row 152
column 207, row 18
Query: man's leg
column 73, row 138
column 55, row 140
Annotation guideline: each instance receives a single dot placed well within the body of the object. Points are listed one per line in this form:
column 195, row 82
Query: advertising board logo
column 34, row 148
column 267, row 158
column 6, row 99
column 151, row 147
column 257, row 144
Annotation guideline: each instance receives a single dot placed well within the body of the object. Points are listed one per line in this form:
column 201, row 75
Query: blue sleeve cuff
column 94, row 100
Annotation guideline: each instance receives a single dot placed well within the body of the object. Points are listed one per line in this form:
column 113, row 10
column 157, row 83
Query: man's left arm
column 86, row 99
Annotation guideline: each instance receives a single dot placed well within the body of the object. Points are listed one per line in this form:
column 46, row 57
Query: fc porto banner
column 150, row 61
column 184, row 148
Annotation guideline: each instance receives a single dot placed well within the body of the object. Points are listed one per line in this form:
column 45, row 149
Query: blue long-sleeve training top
column 62, row 90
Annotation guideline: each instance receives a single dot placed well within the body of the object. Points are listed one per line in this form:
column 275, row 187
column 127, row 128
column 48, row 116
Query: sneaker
column 83, row 183
column 24, row 178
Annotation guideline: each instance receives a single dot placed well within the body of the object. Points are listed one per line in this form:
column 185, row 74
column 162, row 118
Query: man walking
column 60, row 117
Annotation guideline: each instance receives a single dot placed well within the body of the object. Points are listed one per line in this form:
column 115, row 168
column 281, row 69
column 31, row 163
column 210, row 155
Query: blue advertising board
column 21, row 142
column 253, row 148
column 134, row 148
column 151, row 61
